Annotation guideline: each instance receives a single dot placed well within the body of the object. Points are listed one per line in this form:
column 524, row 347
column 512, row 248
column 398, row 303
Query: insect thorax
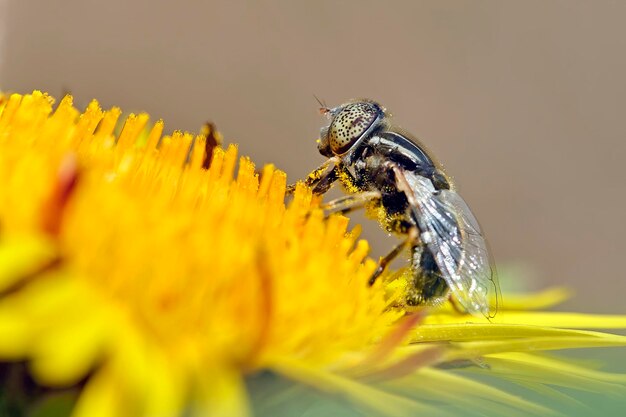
column 369, row 172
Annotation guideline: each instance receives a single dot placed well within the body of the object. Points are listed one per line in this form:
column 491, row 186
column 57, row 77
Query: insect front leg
column 411, row 239
column 345, row 205
column 321, row 179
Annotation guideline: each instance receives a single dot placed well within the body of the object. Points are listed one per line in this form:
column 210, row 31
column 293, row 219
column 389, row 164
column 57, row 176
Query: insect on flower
column 392, row 175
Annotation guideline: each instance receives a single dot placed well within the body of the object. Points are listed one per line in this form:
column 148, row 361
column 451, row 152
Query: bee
column 393, row 176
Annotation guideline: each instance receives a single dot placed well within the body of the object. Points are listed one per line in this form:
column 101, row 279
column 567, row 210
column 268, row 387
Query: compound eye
column 350, row 124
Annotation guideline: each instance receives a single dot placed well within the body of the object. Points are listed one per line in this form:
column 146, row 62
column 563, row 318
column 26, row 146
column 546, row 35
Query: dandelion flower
column 156, row 274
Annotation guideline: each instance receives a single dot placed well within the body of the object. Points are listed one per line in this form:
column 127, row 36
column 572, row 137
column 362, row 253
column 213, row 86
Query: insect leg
column 412, row 236
column 321, row 178
column 350, row 203
column 456, row 305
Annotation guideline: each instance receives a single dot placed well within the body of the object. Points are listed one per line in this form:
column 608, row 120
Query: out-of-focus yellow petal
column 103, row 397
column 66, row 358
column 164, row 385
column 534, row 301
column 63, row 342
column 221, row 394
column 22, row 256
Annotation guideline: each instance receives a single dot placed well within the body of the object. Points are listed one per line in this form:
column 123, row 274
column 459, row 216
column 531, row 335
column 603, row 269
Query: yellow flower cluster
column 162, row 270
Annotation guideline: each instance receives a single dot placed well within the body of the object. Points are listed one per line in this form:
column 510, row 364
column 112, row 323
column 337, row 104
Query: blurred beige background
column 524, row 102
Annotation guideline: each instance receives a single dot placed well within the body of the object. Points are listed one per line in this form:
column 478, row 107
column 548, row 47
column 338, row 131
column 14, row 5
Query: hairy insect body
column 395, row 179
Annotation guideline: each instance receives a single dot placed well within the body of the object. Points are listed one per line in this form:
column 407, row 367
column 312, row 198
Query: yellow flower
column 142, row 270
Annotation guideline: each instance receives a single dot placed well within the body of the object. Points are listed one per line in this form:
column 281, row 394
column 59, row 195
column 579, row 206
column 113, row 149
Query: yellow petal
column 476, row 349
column 490, row 331
column 102, row 397
column 544, row 318
column 221, row 393
column 22, row 256
column 534, row 301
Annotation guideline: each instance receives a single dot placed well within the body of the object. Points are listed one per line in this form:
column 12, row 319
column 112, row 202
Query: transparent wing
column 452, row 234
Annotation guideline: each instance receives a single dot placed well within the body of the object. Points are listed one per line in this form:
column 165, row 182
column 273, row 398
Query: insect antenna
column 323, row 107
